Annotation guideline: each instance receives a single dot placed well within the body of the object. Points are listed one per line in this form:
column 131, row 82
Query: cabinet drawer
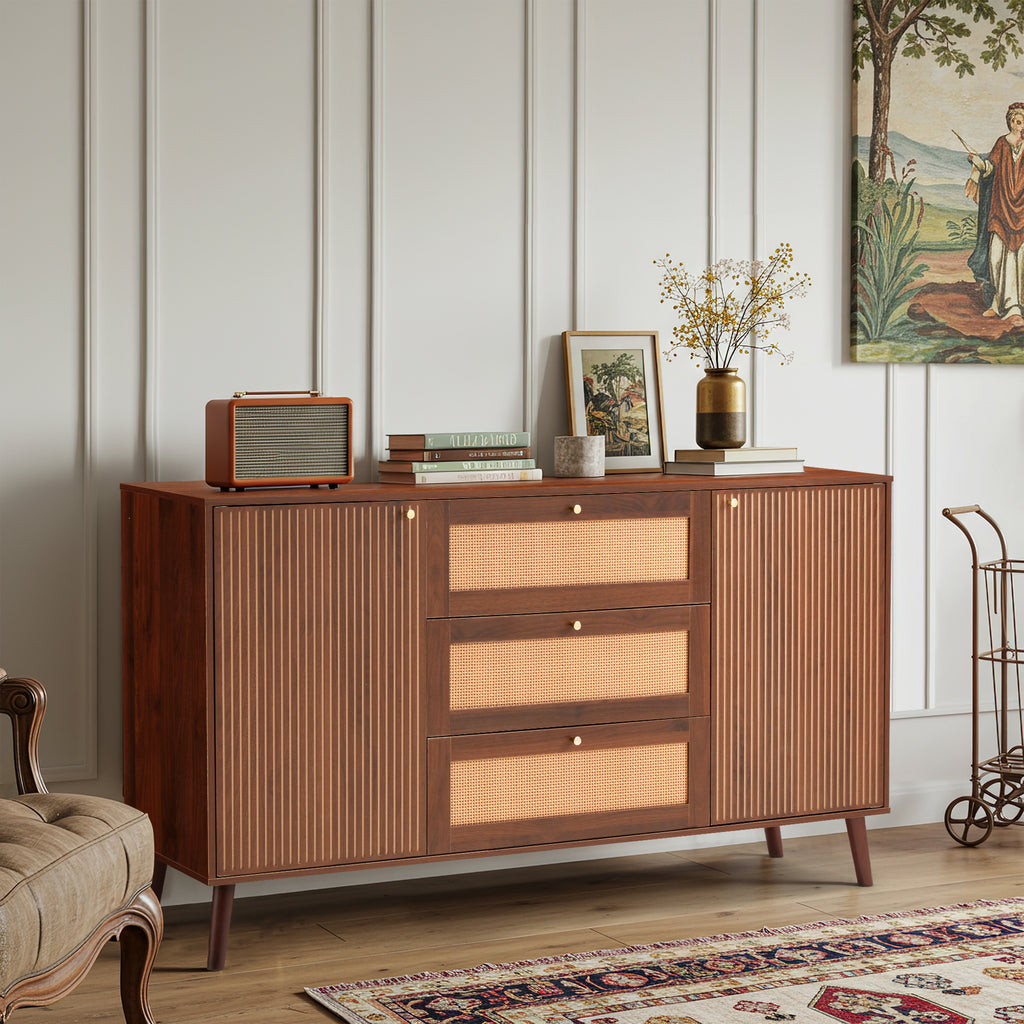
column 503, row 672
column 547, row 786
column 501, row 555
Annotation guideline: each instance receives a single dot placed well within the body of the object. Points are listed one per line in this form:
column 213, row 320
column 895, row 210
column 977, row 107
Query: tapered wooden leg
column 774, row 836
column 220, row 925
column 139, row 940
column 159, row 876
column 857, row 831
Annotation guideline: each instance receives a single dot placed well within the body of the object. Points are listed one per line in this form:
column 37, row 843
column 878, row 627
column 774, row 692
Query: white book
column 469, row 476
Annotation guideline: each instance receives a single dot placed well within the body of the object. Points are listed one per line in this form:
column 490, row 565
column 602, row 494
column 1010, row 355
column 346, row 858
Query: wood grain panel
column 319, row 722
column 166, row 696
column 800, row 614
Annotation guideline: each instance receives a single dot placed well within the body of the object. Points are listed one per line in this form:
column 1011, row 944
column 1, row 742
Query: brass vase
column 721, row 409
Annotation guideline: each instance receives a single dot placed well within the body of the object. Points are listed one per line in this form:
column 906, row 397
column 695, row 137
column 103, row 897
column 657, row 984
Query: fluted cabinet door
column 800, row 614
column 319, row 720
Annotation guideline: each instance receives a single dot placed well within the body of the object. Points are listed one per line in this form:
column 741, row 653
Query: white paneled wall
column 47, row 525
column 407, row 202
column 232, row 209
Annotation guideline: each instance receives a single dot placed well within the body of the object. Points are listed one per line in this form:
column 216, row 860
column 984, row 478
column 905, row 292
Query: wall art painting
column 614, row 388
column 938, row 181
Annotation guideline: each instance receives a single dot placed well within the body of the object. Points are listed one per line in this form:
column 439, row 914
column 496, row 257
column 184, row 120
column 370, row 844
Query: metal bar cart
column 997, row 789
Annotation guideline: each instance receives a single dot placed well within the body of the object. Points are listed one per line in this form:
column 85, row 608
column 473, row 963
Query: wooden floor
column 280, row 944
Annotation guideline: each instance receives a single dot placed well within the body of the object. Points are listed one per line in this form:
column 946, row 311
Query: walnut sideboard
column 320, row 679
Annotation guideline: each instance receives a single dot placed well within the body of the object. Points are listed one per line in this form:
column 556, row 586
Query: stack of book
column 452, row 458
column 735, row 462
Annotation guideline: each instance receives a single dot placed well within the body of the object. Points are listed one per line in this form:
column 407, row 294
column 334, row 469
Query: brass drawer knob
column 577, row 740
column 577, row 625
column 577, row 509
column 734, row 502
column 410, row 513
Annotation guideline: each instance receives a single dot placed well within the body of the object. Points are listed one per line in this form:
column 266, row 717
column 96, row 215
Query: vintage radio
column 274, row 439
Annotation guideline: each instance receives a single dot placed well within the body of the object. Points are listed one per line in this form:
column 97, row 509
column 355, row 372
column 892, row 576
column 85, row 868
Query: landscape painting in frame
column 613, row 388
column 938, row 181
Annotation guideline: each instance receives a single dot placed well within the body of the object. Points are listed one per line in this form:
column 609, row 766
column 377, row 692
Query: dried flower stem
column 714, row 322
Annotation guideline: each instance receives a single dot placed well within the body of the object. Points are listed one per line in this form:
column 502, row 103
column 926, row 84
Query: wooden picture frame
column 613, row 386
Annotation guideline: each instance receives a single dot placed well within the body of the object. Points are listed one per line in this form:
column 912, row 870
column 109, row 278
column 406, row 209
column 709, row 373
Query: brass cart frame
column 997, row 782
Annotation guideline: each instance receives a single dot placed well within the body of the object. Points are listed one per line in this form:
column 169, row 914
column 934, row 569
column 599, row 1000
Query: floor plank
column 280, row 944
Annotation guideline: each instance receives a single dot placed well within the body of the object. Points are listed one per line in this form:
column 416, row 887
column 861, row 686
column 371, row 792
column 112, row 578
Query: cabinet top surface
column 199, row 492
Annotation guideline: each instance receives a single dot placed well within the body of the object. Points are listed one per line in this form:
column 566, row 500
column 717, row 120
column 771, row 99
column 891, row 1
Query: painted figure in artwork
column 997, row 184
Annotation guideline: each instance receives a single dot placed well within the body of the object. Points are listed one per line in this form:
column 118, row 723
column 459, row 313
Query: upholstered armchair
column 75, row 872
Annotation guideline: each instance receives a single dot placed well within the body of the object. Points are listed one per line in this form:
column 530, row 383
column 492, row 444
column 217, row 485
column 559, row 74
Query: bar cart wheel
column 973, row 817
column 1003, row 795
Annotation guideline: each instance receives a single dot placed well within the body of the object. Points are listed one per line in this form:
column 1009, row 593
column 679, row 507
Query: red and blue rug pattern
column 952, row 965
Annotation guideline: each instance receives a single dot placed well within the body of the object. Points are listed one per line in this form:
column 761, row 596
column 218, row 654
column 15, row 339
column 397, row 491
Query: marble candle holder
column 579, row 456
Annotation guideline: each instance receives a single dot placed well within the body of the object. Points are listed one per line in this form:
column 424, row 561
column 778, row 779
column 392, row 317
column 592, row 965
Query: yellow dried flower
column 717, row 324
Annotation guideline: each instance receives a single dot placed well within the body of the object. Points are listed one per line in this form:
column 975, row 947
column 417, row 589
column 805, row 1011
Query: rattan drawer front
column 553, row 785
column 594, row 551
column 493, row 556
column 557, row 669
column 568, row 669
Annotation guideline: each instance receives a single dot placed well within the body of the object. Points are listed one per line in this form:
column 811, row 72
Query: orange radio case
column 274, row 439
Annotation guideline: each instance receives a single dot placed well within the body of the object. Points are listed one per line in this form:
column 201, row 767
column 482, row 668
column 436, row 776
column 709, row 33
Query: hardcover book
column 475, row 476
column 472, row 439
column 734, row 468
column 395, row 466
column 448, row 454
column 734, row 454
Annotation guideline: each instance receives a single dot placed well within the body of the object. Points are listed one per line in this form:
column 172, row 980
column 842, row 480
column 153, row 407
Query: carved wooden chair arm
column 24, row 702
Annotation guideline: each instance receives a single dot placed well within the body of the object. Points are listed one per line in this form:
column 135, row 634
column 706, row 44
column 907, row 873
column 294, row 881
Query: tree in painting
column 938, row 235
column 616, row 403
column 885, row 29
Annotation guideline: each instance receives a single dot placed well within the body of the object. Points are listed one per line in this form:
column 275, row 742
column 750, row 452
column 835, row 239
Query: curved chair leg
column 139, row 939
column 139, row 926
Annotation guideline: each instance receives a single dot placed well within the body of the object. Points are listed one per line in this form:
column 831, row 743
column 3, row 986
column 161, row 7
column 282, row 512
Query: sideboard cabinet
column 325, row 679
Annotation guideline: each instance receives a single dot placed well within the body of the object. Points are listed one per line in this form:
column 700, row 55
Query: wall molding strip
column 758, row 384
column 930, row 690
column 529, row 209
column 376, row 260
column 713, row 114
column 88, row 767
column 321, row 219
column 579, row 192
column 150, row 383
column 891, row 394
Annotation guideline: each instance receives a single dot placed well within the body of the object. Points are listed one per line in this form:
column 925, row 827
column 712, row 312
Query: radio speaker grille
column 574, row 782
column 558, row 669
column 291, row 441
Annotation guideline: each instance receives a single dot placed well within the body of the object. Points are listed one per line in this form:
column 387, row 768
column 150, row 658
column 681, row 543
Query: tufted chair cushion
column 66, row 863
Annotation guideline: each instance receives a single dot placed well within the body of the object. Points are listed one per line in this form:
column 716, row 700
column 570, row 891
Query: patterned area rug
column 952, row 965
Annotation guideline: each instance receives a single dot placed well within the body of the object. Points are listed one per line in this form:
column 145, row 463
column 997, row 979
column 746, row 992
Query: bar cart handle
column 961, row 510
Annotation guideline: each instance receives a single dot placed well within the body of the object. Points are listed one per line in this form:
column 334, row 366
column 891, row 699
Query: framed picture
column 938, row 206
column 613, row 384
